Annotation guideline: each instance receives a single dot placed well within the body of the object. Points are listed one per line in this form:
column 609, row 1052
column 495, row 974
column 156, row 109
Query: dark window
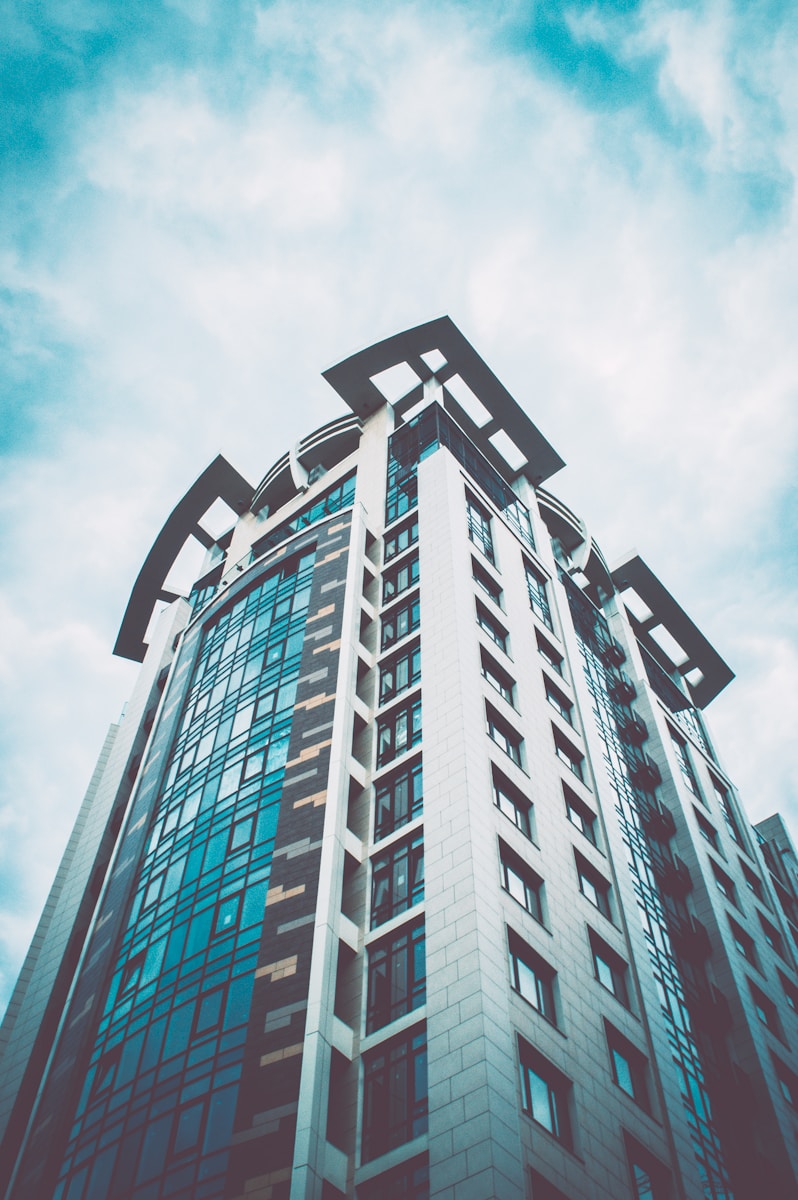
column 707, row 830
column 497, row 677
column 503, row 734
column 558, row 701
column 538, row 598
column 397, row 880
column 227, row 914
column 788, row 1081
column 772, row 935
column 398, row 730
column 521, row 882
column 610, row 969
column 650, row 1179
column 532, row 977
column 410, row 1181
column 578, row 813
column 398, row 579
column 744, row 942
column 398, row 799
column 685, row 766
column 479, row 526
column 495, row 631
column 568, row 754
column 629, row 1066
column 766, row 1010
column 727, row 810
column 400, row 621
column 399, row 673
column 394, row 1093
column 397, row 976
column 545, row 1092
column 543, row 1189
column 790, row 992
column 593, row 886
column 401, row 540
column 487, row 583
column 548, row 653
column 753, row 882
column 513, row 803
column 724, row 884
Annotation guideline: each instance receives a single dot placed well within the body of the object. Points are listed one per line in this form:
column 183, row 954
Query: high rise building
column 411, row 869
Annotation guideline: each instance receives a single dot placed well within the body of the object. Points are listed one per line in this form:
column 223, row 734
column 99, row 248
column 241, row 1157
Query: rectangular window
column 788, row 1081
column 543, row 1189
column 503, row 734
column 548, row 653
column 487, row 583
column 753, row 883
column 558, row 701
column 398, row 579
column 521, row 882
column 744, row 942
column 397, row 880
column 532, row 977
column 538, row 597
column 685, row 766
column 707, row 830
column 397, row 976
column 790, row 992
column 398, row 730
column 629, row 1066
column 609, row 968
column 497, row 677
column 394, row 1093
column 409, row 1181
column 568, row 754
column 650, row 1179
column 399, row 673
column 400, row 621
column 479, row 526
column 398, row 799
column 513, row 803
column 593, row 886
column 401, row 540
column 724, row 884
column 545, row 1092
column 493, row 628
column 722, row 797
column 771, row 935
column 766, row 1010
column 580, row 816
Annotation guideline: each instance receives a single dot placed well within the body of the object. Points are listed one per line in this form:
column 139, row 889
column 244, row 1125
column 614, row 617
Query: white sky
column 206, row 206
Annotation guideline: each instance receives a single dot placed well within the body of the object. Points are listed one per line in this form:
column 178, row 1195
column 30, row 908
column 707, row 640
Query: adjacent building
column 412, row 869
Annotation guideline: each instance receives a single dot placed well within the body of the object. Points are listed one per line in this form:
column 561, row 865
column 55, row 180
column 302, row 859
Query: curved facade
column 412, row 870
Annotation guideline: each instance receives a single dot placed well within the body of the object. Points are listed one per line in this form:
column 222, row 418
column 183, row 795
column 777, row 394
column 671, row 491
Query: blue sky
column 205, row 204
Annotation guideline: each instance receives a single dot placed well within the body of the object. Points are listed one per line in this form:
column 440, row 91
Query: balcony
column 644, row 773
column 710, row 1009
column 613, row 654
column 632, row 730
column 657, row 820
column 621, row 688
column 691, row 940
column 673, row 875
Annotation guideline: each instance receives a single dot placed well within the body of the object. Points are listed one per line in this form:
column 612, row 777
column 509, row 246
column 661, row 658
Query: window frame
column 491, row 627
column 558, row 700
column 512, row 803
column 399, row 1060
column 499, row 679
column 568, row 754
column 530, row 883
column 400, row 578
column 410, row 655
column 409, row 940
column 538, row 595
column 633, row 1078
column 403, row 719
column 549, row 654
column 551, row 1113
column 479, row 525
column 504, row 735
column 396, row 895
column 617, row 969
column 488, row 585
column 410, row 607
column 592, row 879
column 587, row 820
column 412, row 774
column 393, row 537
column 540, row 975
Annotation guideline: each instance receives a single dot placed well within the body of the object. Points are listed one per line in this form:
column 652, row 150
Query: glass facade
column 157, row 1108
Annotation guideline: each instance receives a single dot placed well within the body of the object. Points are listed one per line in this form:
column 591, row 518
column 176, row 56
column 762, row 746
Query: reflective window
column 521, row 882
column 479, row 532
column 398, row 799
column 398, row 730
column 536, row 586
column 397, row 880
column 397, row 976
column 532, row 977
column 545, row 1093
column 400, row 621
column 394, row 1093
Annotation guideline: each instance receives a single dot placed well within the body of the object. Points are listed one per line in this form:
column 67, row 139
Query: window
column 531, row 977
column 788, row 1082
column 724, row 884
column 548, row 653
column 521, row 882
column 398, row 730
column 401, row 540
column 765, row 1009
column 725, row 804
column 538, row 598
column 497, row 677
column 479, row 526
column 744, row 942
column 685, row 766
column 650, row 1179
column 227, row 914
column 629, row 1066
column 397, row 880
column 398, row 799
column 487, row 583
column 568, row 754
column 495, row 631
column 400, row 578
column 609, row 968
column 400, row 621
column 513, row 803
column 753, row 882
column 503, row 734
column 790, row 992
column 578, row 813
column 772, row 935
column 545, row 1092
column 394, row 1093
column 410, row 1181
column 558, row 701
column 593, row 886
column 707, row 830
column 399, row 673
column 397, row 979
column 542, row 1189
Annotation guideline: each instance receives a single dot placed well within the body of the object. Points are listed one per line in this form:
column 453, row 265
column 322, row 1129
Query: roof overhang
column 353, row 380
column 710, row 674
